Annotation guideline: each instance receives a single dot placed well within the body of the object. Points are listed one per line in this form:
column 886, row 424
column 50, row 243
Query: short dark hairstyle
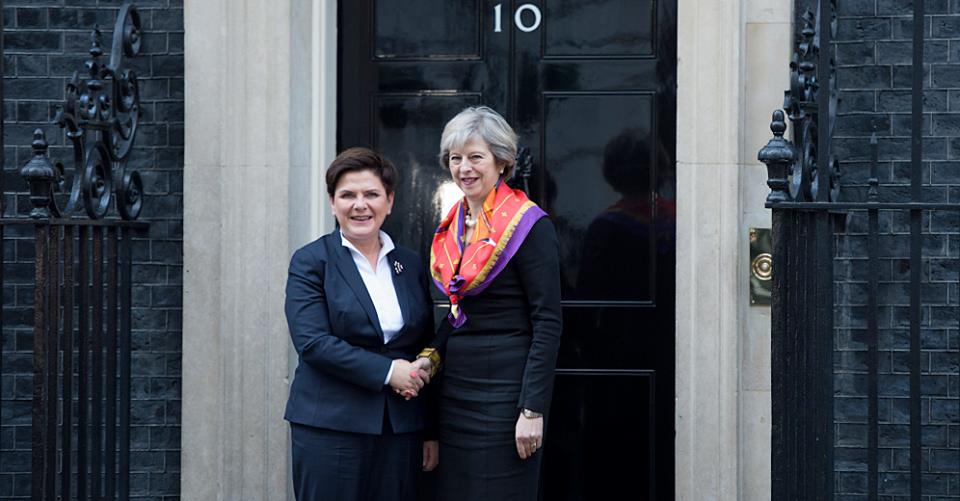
column 358, row 159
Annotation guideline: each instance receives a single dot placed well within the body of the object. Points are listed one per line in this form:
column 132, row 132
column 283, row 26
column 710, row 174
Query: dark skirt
column 479, row 408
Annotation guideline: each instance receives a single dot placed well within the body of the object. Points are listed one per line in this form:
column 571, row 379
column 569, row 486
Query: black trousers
column 330, row 465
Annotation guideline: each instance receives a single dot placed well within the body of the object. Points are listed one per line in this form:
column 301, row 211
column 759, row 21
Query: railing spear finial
column 778, row 155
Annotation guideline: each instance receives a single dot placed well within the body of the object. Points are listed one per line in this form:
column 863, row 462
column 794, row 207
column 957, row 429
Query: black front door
column 590, row 88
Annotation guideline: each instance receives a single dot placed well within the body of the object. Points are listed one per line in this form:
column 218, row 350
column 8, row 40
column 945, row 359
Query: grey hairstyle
column 483, row 123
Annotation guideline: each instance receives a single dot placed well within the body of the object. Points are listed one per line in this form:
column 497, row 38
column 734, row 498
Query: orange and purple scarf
column 465, row 270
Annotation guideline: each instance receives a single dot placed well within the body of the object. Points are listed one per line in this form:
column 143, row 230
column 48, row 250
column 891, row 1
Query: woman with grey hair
column 495, row 256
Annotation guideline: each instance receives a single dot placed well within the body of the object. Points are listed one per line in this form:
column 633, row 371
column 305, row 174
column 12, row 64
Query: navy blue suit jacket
column 343, row 360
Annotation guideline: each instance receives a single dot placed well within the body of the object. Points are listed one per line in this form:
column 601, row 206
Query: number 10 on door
column 518, row 18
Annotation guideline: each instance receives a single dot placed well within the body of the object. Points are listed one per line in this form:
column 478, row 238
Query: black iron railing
column 803, row 178
column 81, row 263
column 81, row 355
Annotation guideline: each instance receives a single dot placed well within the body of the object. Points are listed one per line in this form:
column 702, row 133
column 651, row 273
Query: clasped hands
column 408, row 378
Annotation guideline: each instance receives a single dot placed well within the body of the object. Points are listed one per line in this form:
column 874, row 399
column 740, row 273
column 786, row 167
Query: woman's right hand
column 425, row 370
column 407, row 378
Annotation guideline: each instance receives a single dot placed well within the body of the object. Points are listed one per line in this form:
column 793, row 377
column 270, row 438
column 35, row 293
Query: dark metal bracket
column 100, row 116
column 794, row 167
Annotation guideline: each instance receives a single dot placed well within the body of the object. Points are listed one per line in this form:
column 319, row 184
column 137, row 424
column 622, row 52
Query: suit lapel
column 348, row 269
column 400, row 284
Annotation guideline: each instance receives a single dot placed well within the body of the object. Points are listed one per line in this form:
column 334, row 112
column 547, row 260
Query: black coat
column 339, row 382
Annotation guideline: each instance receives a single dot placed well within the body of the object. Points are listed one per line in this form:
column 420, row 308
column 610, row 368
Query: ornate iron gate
column 78, row 262
column 803, row 178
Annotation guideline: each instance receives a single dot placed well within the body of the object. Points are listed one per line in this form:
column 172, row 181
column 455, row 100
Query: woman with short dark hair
column 359, row 310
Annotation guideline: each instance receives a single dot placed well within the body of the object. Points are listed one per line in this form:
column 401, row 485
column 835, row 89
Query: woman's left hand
column 431, row 454
column 529, row 435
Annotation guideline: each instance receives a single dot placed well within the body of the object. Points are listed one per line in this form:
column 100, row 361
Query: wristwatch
column 529, row 414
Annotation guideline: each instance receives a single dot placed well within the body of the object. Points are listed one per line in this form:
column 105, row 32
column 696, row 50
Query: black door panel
column 600, row 444
column 618, row 28
column 590, row 88
column 426, row 29
column 591, row 331
column 598, row 75
column 607, row 236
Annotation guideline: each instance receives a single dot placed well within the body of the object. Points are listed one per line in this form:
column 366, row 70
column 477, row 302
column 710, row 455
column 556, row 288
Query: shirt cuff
column 386, row 381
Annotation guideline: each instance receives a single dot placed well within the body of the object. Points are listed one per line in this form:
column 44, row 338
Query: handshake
column 408, row 378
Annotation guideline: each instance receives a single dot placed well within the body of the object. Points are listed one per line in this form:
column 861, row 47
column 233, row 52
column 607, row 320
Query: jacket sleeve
column 430, row 392
column 442, row 330
column 538, row 265
column 311, row 332
column 442, row 334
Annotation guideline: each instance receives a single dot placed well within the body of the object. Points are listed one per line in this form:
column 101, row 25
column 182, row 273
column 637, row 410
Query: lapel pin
column 397, row 267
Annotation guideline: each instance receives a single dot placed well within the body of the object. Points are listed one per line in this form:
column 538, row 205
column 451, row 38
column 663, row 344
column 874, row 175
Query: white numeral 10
column 518, row 18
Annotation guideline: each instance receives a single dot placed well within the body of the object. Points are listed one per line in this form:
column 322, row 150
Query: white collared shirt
column 379, row 285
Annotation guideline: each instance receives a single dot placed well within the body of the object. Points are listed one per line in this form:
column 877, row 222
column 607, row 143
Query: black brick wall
column 46, row 41
column 874, row 55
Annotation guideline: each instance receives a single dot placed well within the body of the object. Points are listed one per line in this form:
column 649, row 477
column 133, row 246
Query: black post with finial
column 778, row 155
column 40, row 174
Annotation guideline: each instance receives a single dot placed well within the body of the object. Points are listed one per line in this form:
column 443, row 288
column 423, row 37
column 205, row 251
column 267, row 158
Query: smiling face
column 360, row 203
column 475, row 169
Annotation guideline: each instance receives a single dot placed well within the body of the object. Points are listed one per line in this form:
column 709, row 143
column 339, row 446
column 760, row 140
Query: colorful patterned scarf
column 511, row 216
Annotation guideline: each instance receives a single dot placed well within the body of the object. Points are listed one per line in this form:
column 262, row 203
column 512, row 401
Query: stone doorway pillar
column 257, row 75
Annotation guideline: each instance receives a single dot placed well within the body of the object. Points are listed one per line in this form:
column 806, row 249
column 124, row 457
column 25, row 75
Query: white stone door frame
column 260, row 121
column 733, row 60
column 708, row 158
